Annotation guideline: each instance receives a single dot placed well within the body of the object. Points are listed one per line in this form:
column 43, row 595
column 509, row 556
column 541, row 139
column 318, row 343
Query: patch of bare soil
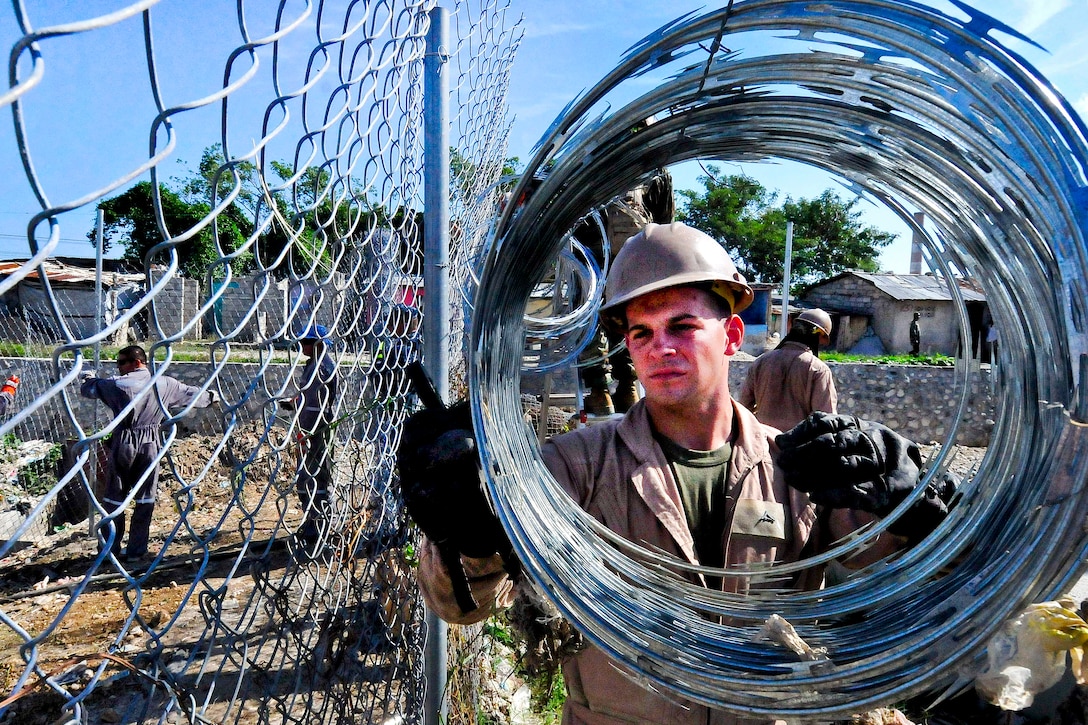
column 68, row 607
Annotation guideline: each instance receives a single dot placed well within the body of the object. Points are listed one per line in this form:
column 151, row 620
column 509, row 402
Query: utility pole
column 100, row 250
column 785, row 321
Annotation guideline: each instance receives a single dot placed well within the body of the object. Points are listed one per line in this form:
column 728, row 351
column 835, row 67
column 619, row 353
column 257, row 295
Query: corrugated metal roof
column 916, row 287
column 59, row 273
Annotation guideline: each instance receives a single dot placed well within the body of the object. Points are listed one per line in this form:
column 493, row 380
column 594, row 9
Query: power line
column 62, row 239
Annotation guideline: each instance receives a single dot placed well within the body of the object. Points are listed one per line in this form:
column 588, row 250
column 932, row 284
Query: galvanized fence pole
column 436, row 295
column 100, row 324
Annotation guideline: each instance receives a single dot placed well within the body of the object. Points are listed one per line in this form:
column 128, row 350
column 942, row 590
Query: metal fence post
column 100, row 324
column 436, row 297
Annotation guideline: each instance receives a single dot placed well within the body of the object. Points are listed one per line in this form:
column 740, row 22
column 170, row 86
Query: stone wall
column 249, row 309
column 253, row 307
column 175, row 307
column 917, row 401
column 239, row 382
column 847, row 295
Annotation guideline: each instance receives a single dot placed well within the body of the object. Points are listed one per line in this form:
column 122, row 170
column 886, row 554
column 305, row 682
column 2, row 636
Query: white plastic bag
column 1028, row 655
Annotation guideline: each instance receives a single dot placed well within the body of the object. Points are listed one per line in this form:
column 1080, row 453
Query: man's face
column 680, row 345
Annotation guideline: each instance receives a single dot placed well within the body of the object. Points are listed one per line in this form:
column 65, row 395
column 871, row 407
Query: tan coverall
column 786, row 385
column 618, row 473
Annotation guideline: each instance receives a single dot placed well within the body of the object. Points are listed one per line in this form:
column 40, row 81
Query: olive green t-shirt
column 701, row 477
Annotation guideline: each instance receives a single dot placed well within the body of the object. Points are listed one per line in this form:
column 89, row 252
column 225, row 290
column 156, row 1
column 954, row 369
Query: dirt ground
column 169, row 610
column 200, row 581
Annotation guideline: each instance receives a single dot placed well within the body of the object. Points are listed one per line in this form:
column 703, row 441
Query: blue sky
column 89, row 118
column 569, row 45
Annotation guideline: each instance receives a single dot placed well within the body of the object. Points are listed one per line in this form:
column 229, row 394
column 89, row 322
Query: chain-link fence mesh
column 280, row 285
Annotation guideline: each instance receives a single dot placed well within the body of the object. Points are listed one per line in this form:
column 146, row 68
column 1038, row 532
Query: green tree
column 188, row 201
column 214, row 173
column 130, row 220
column 464, row 175
column 735, row 210
column 833, row 237
column 326, row 219
column 317, row 224
column 742, row 215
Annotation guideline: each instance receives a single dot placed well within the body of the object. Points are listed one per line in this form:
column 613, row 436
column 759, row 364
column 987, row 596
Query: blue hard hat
column 316, row 332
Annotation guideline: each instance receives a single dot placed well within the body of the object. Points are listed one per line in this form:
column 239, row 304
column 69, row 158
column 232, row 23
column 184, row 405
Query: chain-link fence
column 279, row 285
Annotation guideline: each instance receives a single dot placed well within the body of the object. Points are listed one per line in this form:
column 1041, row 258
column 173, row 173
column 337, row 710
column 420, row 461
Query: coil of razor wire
column 571, row 295
column 922, row 111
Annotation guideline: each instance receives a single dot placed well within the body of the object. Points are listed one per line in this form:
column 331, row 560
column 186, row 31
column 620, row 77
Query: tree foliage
column 299, row 235
column 214, row 174
column 465, row 179
column 828, row 235
column 312, row 223
column 130, row 219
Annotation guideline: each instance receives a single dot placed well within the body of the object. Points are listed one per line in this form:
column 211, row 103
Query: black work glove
column 443, row 488
column 844, row 462
column 442, row 482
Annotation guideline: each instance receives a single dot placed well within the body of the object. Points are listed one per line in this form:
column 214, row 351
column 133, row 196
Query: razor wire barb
column 308, row 215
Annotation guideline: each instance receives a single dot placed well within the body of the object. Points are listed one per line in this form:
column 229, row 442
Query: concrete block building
column 886, row 303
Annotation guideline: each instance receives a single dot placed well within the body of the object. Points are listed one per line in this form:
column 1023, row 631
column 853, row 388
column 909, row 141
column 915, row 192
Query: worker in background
column 686, row 472
column 915, row 335
column 316, row 403
column 7, row 393
column 786, row 385
column 136, row 442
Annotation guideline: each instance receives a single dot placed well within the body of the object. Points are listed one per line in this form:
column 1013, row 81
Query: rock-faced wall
column 918, row 401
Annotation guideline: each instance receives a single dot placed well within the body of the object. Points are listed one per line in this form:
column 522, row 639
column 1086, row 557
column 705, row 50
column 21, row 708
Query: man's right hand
column 442, row 482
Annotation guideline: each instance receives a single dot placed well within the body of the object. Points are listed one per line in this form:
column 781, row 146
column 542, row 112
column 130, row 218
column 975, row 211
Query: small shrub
column 548, row 698
column 933, row 358
column 35, row 478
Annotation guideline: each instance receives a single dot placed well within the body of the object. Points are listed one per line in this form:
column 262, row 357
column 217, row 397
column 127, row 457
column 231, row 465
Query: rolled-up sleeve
column 490, row 585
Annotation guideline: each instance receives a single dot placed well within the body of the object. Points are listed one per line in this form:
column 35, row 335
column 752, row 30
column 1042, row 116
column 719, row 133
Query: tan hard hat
column 670, row 255
column 818, row 319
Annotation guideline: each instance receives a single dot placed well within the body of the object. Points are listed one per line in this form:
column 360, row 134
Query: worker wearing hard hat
column 786, row 385
column 686, row 472
column 316, row 404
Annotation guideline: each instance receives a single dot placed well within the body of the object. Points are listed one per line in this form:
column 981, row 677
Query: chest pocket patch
column 753, row 517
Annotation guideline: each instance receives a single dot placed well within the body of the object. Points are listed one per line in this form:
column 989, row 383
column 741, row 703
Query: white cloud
column 546, row 29
column 1066, row 59
column 1081, row 104
column 1038, row 12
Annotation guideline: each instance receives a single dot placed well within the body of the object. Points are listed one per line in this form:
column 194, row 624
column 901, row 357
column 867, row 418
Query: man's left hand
column 845, row 462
